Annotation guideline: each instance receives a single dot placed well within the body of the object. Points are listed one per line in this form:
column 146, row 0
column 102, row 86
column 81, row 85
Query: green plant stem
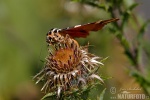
column 132, row 55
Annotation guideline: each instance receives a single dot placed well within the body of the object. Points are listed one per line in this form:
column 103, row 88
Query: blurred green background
column 23, row 28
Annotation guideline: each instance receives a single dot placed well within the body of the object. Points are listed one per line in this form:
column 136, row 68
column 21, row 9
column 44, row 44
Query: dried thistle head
column 69, row 67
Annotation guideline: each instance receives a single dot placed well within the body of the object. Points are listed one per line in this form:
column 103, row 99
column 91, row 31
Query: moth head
column 54, row 36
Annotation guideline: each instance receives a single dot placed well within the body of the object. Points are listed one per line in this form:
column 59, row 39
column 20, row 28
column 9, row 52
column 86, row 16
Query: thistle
column 69, row 67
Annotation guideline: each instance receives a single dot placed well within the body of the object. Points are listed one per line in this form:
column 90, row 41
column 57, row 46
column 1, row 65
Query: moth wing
column 83, row 30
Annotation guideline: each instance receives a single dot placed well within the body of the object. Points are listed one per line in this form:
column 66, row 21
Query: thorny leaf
column 127, row 14
column 76, row 94
column 102, row 95
column 95, row 3
column 142, row 29
column 141, row 80
column 48, row 95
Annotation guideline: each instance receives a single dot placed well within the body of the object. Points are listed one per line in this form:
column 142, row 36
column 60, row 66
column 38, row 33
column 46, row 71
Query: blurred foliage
column 23, row 27
column 123, row 9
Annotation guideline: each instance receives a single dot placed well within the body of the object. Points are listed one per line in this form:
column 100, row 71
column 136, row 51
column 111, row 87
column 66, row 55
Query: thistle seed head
column 69, row 66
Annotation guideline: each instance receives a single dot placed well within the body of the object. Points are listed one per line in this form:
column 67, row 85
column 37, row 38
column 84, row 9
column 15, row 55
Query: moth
column 56, row 35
